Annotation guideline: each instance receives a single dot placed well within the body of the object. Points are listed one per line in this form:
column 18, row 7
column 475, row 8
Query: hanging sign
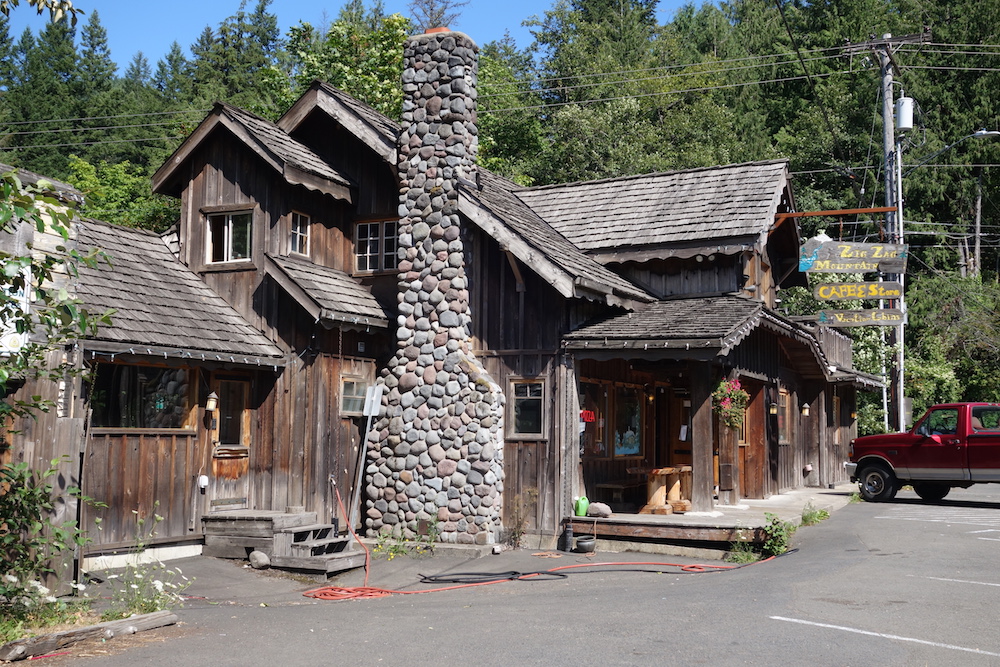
column 845, row 257
column 886, row 317
column 845, row 291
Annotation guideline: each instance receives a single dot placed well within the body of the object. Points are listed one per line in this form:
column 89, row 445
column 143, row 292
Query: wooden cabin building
column 606, row 311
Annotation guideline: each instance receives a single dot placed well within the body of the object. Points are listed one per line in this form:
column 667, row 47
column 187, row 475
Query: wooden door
column 753, row 444
column 230, row 433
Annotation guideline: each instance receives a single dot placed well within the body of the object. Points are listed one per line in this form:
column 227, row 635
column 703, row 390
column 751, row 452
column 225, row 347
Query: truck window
column 986, row 419
column 942, row 422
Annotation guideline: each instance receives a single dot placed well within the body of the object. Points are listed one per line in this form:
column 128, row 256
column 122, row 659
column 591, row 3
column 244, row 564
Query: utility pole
column 977, row 256
column 892, row 164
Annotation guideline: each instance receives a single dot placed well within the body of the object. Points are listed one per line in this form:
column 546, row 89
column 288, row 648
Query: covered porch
column 645, row 384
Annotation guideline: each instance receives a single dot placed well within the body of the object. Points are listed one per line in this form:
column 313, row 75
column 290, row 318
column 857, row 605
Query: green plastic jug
column 581, row 506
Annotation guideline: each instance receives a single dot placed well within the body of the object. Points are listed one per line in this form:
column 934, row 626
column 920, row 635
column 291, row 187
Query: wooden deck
column 681, row 529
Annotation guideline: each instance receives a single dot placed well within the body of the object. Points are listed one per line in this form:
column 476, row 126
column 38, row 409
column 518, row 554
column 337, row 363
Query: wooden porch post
column 702, row 420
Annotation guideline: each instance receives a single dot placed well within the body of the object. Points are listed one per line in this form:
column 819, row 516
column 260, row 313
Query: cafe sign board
column 846, row 291
column 887, row 317
column 846, row 257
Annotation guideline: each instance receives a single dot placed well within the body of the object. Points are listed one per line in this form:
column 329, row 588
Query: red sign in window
column 588, row 416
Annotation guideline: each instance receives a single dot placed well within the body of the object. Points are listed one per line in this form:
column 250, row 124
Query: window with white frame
column 527, row 408
column 352, row 396
column 230, row 236
column 375, row 246
column 299, row 237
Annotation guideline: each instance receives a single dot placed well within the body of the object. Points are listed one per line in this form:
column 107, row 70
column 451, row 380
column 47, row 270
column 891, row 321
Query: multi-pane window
column 528, row 408
column 230, row 235
column 352, row 396
column 299, row 239
column 375, row 245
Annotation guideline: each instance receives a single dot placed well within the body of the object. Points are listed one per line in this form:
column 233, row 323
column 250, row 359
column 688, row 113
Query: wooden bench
column 617, row 488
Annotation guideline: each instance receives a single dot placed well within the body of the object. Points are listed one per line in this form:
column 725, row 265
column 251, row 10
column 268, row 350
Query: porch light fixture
column 772, row 409
column 805, row 409
column 212, row 402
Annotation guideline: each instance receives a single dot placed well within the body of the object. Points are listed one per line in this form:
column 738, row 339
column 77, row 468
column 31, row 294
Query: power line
column 123, row 115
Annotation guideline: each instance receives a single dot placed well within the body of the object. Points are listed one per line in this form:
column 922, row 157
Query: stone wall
column 436, row 453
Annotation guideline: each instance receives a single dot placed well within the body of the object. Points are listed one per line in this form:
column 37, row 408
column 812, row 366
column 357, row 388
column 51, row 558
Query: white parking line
column 885, row 636
column 963, row 581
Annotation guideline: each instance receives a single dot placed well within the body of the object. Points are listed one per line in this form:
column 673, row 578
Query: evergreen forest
column 603, row 91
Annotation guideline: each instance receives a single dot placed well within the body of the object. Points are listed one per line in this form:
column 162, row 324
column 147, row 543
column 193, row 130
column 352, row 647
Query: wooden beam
column 781, row 217
column 40, row 645
column 702, row 426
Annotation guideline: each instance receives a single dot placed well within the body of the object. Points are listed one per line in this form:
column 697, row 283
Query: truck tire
column 931, row 492
column 876, row 484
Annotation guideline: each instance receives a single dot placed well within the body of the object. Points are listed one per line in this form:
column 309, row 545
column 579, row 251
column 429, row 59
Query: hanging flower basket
column 730, row 401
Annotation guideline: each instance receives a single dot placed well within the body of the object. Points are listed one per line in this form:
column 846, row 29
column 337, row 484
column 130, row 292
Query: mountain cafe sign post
column 822, row 255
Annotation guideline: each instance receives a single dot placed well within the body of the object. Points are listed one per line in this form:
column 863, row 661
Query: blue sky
column 151, row 26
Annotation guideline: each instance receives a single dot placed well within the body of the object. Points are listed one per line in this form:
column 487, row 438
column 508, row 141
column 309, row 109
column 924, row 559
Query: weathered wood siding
column 674, row 277
column 141, row 472
column 517, row 328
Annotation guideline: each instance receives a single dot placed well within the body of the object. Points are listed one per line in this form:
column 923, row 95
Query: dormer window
column 375, row 246
column 230, row 236
column 299, row 238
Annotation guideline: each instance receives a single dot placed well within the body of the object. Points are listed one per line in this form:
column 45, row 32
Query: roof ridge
column 757, row 163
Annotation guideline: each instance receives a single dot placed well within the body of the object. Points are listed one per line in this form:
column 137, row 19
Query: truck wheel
column 877, row 484
column 931, row 492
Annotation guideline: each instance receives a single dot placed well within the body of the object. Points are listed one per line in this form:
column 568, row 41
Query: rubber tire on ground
column 877, row 485
column 931, row 492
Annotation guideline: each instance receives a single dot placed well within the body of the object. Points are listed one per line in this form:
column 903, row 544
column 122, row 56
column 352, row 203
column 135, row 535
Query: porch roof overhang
column 703, row 329
column 331, row 297
column 137, row 352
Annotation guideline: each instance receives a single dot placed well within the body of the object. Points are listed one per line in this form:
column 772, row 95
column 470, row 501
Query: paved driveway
column 902, row 583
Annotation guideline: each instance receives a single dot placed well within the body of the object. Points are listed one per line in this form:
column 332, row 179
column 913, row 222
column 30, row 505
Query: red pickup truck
column 955, row 444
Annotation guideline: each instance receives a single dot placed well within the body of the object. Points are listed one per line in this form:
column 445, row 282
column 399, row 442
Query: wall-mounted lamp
column 805, row 409
column 854, row 415
column 772, row 409
column 212, row 402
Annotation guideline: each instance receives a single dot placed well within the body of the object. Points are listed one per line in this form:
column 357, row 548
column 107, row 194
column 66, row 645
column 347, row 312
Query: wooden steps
column 290, row 540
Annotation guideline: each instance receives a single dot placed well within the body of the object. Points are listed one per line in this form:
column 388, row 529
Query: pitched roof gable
column 374, row 129
column 295, row 161
column 498, row 213
column 160, row 306
column 696, row 205
column 494, row 208
column 329, row 295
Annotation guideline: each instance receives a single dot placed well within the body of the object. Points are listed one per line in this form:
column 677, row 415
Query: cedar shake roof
column 698, row 327
column 495, row 209
column 716, row 323
column 329, row 295
column 697, row 205
column 292, row 159
column 705, row 328
column 160, row 306
column 492, row 207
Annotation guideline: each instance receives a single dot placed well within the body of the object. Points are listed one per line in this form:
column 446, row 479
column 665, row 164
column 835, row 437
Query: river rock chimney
column 436, row 453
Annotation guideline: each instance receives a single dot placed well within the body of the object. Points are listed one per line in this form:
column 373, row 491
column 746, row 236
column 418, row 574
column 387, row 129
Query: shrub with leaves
column 30, row 540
